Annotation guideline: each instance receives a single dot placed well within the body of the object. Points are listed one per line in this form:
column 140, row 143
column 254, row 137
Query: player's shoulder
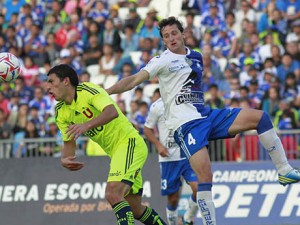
column 88, row 87
column 162, row 57
column 194, row 53
column 157, row 105
column 60, row 108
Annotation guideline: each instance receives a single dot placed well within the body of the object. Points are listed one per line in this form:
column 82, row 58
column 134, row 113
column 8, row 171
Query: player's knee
column 173, row 199
column 111, row 197
column 113, row 194
column 264, row 123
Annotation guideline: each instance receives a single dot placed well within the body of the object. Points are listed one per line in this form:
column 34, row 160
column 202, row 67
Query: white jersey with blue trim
column 180, row 81
column 156, row 118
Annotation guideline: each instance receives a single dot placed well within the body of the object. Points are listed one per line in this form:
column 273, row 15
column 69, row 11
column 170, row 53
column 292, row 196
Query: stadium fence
column 244, row 147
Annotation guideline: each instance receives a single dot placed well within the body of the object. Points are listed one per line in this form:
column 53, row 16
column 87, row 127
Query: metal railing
column 244, row 147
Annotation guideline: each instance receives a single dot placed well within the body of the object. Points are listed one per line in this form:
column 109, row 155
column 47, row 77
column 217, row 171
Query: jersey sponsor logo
column 176, row 68
column 115, row 174
column 94, row 131
column 88, row 113
column 193, row 97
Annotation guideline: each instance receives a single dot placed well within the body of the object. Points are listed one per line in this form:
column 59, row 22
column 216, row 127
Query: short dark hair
column 169, row 21
column 211, row 86
column 62, row 71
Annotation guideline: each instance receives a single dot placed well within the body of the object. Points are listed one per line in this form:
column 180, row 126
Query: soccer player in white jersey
column 173, row 166
column 180, row 72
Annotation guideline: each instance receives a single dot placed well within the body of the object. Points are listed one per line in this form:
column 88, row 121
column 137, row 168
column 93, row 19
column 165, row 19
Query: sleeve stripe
column 91, row 88
column 57, row 107
column 86, row 88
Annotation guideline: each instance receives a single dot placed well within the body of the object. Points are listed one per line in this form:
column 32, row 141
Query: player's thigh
column 193, row 136
column 221, row 121
column 247, row 119
column 187, row 172
column 200, row 162
column 127, row 162
column 170, row 177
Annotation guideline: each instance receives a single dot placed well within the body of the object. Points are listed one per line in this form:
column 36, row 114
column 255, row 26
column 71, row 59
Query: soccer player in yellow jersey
column 87, row 109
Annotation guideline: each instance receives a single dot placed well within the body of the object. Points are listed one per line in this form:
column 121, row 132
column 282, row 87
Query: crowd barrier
column 41, row 191
column 244, row 147
column 245, row 191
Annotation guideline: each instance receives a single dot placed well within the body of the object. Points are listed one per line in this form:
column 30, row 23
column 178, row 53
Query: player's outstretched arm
column 128, row 83
column 162, row 150
column 68, row 156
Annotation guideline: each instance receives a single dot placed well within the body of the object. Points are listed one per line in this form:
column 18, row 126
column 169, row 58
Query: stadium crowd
column 251, row 57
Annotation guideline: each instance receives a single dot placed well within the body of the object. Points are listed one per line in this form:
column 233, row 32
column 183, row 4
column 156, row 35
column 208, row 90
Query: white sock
column 191, row 211
column 207, row 207
column 273, row 145
column 172, row 216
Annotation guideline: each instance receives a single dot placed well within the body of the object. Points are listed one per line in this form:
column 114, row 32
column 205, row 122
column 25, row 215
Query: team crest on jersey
column 137, row 173
column 188, row 61
column 88, row 113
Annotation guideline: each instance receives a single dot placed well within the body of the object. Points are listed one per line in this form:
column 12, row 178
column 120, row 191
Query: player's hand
column 70, row 163
column 75, row 130
column 163, row 151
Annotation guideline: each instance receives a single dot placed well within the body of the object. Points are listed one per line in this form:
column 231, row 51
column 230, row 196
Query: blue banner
column 249, row 194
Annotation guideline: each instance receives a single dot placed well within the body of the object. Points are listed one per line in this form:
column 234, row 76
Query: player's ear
column 66, row 81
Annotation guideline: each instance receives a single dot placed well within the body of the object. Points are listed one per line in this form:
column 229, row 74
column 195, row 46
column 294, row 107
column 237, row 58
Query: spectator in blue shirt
column 291, row 89
column 290, row 9
column 213, row 21
column 266, row 17
column 98, row 13
column 149, row 30
column 26, row 93
column 225, row 44
column 42, row 103
column 35, row 45
column 247, row 51
column 27, row 11
column 12, row 39
column 24, row 31
column 288, row 65
column 130, row 40
column 11, row 7
column 141, row 116
column 207, row 4
column 67, row 58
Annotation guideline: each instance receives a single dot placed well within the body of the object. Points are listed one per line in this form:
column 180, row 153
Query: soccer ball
column 9, row 67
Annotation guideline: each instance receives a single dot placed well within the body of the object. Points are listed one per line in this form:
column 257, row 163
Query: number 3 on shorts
column 191, row 139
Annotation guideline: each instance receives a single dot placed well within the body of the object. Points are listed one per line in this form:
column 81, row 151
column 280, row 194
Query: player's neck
column 181, row 51
column 71, row 96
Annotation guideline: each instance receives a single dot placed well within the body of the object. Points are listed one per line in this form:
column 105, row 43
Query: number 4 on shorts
column 191, row 139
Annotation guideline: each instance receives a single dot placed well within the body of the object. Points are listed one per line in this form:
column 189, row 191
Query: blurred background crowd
column 251, row 56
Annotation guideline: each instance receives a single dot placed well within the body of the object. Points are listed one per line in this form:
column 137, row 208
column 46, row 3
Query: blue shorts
column 171, row 173
column 194, row 135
